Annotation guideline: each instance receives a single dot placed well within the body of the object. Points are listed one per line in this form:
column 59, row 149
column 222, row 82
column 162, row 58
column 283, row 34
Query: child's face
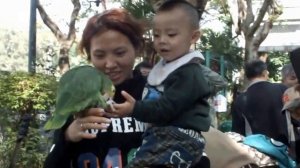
column 173, row 34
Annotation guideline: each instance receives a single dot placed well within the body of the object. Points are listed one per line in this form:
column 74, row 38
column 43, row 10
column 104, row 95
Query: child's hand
column 124, row 109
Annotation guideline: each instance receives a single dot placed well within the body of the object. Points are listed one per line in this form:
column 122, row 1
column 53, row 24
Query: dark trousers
column 168, row 147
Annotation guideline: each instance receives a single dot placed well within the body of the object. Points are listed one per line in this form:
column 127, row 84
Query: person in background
column 291, row 109
column 176, row 107
column 111, row 40
column 288, row 74
column 258, row 109
column 216, row 83
column 143, row 68
column 291, row 100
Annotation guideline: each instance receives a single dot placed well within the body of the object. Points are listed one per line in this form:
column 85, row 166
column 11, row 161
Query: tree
column 144, row 12
column 199, row 4
column 65, row 40
column 253, row 27
column 13, row 50
column 23, row 94
column 222, row 44
column 276, row 61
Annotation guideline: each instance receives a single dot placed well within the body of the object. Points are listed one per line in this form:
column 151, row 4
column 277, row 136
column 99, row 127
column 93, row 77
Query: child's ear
column 196, row 36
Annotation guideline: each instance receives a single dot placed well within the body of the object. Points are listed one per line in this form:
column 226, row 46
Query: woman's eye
column 99, row 56
column 120, row 53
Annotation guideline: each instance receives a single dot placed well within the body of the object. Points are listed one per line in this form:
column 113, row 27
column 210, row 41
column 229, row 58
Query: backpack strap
column 248, row 130
column 291, row 134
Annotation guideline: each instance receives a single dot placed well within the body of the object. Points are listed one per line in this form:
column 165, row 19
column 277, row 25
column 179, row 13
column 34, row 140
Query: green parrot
column 80, row 88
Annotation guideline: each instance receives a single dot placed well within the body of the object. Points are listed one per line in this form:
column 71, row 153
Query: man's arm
column 238, row 122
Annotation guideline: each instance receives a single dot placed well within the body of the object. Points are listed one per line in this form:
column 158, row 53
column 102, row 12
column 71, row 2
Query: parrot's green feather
column 55, row 122
column 79, row 88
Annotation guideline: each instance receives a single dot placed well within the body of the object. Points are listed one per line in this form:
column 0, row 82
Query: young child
column 175, row 98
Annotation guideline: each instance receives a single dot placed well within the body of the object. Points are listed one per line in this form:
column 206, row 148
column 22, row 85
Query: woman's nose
column 110, row 63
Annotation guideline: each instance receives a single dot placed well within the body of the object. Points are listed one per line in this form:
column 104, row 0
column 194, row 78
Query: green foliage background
column 22, row 93
column 276, row 60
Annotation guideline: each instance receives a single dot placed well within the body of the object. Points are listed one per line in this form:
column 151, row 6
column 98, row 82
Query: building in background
column 285, row 34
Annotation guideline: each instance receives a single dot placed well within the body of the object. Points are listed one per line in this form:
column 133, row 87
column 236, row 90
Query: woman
column 111, row 41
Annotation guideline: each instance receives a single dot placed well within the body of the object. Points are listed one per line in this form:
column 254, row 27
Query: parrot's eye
column 113, row 89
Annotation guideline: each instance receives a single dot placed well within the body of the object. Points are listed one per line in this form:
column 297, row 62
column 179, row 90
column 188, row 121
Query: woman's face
column 113, row 53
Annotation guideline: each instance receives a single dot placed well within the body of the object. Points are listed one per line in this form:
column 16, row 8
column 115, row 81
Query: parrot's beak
column 110, row 106
column 109, row 102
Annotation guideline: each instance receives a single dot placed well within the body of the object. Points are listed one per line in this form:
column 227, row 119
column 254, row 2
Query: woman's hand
column 94, row 118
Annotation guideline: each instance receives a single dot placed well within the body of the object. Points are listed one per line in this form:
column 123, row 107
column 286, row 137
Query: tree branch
column 262, row 33
column 75, row 13
column 234, row 14
column 48, row 21
column 249, row 17
column 260, row 17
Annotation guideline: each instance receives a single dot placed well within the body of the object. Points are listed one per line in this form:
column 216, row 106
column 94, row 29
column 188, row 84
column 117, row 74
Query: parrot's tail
column 55, row 122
